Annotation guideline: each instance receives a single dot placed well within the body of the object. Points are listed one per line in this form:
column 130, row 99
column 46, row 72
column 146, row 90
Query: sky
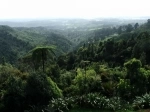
column 40, row 9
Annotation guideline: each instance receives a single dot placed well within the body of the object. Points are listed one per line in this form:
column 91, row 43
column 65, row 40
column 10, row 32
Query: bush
column 61, row 104
column 65, row 79
column 98, row 101
column 89, row 101
column 87, row 82
column 56, row 92
column 72, row 90
column 40, row 89
column 12, row 86
column 137, row 76
column 92, row 100
column 124, row 89
column 142, row 102
column 8, row 70
column 14, row 96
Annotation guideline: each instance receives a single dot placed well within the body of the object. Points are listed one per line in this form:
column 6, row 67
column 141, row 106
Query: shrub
column 87, row 82
column 92, row 100
column 66, row 78
column 109, row 88
column 137, row 76
column 72, row 90
column 142, row 102
column 14, row 96
column 56, row 92
column 89, row 101
column 61, row 104
column 40, row 89
column 5, row 71
column 114, row 104
column 124, row 89
column 8, row 70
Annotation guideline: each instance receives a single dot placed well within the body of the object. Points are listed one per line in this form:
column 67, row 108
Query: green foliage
column 142, row 102
column 12, row 86
column 62, row 104
column 109, row 88
column 92, row 101
column 124, row 89
column 14, row 98
column 7, row 71
column 56, row 92
column 53, row 71
column 89, row 101
column 40, row 55
column 79, row 80
column 133, row 65
column 72, row 90
column 94, row 71
column 20, row 90
column 143, row 58
column 96, row 67
column 43, row 36
column 40, row 89
column 87, row 82
column 66, row 78
column 138, row 76
column 10, row 45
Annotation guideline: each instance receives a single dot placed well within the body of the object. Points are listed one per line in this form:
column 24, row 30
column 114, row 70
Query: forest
column 72, row 65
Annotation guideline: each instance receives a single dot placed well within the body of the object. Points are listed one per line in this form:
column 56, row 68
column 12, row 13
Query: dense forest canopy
column 60, row 65
column 67, row 35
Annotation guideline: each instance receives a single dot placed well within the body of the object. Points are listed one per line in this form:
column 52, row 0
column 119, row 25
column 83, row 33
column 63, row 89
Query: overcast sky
column 36, row 9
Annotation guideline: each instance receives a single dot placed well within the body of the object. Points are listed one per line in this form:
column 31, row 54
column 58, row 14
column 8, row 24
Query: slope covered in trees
column 16, row 42
column 114, row 48
column 109, row 70
column 10, row 45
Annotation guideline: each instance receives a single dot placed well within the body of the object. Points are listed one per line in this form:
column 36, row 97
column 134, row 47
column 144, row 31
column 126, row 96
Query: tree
column 148, row 23
column 133, row 67
column 143, row 58
column 40, row 89
column 119, row 30
column 136, row 25
column 129, row 28
column 40, row 55
column 137, row 76
column 3, row 60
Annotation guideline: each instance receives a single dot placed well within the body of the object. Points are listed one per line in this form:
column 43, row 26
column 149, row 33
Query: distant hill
column 16, row 42
column 10, row 46
column 73, row 23
column 65, row 34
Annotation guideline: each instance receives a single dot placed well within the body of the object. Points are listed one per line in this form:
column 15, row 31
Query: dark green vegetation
column 42, row 70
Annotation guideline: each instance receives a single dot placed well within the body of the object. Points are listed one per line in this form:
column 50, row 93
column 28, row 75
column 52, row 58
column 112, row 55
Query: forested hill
column 109, row 69
column 66, row 35
column 16, row 42
column 43, row 36
column 10, row 46
column 117, row 47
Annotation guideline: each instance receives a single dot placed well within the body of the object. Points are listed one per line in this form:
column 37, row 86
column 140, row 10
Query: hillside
column 10, row 46
column 108, row 69
column 39, row 36
column 66, row 35
column 16, row 42
column 110, row 46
